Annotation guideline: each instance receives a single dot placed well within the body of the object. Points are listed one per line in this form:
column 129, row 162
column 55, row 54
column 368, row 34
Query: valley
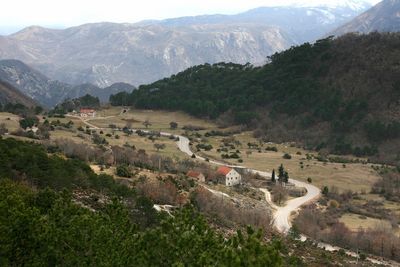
column 248, row 136
column 358, row 178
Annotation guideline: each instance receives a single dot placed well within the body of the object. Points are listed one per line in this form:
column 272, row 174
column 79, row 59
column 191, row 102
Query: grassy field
column 10, row 120
column 390, row 205
column 354, row 222
column 159, row 119
column 356, row 177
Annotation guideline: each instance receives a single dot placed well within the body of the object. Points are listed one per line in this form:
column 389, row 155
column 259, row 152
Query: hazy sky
column 17, row 14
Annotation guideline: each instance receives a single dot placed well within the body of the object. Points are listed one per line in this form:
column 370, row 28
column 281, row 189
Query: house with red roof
column 196, row 175
column 87, row 112
column 232, row 177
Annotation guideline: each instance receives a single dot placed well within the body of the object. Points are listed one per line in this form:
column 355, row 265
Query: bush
column 271, row 148
column 206, row 147
column 287, row 156
column 173, row 125
column 123, row 171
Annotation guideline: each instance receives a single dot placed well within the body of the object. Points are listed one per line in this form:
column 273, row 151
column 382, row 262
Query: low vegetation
column 326, row 222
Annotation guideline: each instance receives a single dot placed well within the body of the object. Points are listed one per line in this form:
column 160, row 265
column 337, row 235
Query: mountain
column 341, row 95
column 304, row 23
column 105, row 53
column 9, row 94
column 50, row 92
column 384, row 17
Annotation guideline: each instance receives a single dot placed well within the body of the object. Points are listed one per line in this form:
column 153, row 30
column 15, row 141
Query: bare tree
column 159, row 146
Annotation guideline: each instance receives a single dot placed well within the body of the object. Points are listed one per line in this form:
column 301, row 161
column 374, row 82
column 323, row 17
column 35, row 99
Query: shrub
column 287, row 156
column 123, row 171
column 271, row 148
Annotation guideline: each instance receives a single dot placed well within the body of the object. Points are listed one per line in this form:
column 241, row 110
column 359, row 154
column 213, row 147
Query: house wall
column 233, row 178
column 201, row 178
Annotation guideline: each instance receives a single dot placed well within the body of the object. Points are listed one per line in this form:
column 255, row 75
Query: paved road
column 281, row 214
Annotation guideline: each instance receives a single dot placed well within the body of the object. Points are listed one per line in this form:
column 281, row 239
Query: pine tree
column 286, row 177
column 281, row 174
column 273, row 179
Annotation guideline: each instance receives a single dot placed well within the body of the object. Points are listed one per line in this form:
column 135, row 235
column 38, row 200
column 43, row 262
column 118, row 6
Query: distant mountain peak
column 356, row 5
column 383, row 17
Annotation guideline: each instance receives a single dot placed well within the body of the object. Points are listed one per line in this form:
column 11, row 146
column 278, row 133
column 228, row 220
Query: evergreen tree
column 281, row 174
column 273, row 179
column 286, row 177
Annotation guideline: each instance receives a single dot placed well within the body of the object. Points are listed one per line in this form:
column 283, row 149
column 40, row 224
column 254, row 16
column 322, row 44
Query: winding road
column 281, row 215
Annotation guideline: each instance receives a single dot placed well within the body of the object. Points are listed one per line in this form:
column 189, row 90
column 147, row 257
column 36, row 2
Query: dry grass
column 356, row 177
column 394, row 207
column 10, row 120
column 159, row 119
column 355, row 221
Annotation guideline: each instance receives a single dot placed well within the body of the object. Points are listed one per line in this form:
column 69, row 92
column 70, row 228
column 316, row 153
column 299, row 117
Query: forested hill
column 342, row 94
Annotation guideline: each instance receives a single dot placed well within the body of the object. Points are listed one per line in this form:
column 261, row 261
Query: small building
column 232, row 177
column 197, row 175
column 87, row 112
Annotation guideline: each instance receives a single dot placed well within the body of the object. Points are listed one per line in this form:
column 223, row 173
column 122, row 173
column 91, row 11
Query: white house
column 232, row 177
column 87, row 112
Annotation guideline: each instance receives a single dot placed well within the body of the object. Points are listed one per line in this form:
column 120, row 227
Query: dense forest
column 340, row 94
column 42, row 223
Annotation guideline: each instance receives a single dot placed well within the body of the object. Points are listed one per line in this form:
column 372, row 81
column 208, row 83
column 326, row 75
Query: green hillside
column 342, row 95
column 42, row 223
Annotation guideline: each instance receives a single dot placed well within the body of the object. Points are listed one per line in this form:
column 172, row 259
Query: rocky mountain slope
column 384, row 17
column 341, row 95
column 104, row 53
column 9, row 94
column 50, row 92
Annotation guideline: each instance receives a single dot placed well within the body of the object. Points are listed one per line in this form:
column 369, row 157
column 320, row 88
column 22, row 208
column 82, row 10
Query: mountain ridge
column 47, row 91
column 384, row 17
column 105, row 53
column 11, row 95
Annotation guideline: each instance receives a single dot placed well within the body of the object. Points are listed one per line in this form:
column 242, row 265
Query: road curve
column 281, row 219
column 281, row 214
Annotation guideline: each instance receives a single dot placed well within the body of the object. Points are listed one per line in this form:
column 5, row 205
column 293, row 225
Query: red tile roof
column 193, row 174
column 224, row 170
column 87, row 110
